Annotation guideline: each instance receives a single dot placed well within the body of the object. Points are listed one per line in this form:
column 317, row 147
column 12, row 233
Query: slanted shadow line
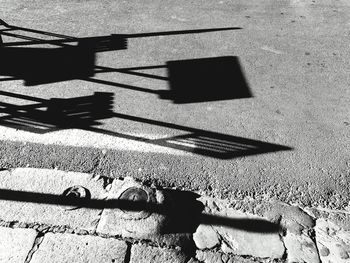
column 68, row 39
column 102, row 69
column 249, row 225
column 120, row 85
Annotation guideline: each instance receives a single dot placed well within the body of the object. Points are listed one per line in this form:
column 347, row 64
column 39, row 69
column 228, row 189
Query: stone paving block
column 332, row 241
column 15, row 244
column 142, row 254
column 50, row 182
column 241, row 240
column 134, row 224
column 138, row 225
column 290, row 217
column 205, row 237
column 300, row 248
column 67, row 248
column 245, row 242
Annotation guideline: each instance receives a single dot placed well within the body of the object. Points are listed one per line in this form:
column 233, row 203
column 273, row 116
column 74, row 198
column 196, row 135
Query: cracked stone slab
column 332, row 241
column 300, row 248
column 141, row 254
column 243, row 243
column 241, row 238
column 205, row 237
column 41, row 186
column 15, row 244
column 115, row 221
column 290, row 217
column 66, row 248
column 138, row 225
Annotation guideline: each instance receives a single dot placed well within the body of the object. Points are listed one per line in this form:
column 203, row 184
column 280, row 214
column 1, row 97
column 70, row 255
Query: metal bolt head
column 76, row 191
column 136, row 194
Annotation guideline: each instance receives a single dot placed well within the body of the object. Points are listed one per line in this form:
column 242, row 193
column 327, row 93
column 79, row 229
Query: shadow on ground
column 87, row 113
column 194, row 80
column 182, row 208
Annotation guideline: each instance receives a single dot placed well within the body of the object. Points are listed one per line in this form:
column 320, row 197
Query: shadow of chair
column 86, row 113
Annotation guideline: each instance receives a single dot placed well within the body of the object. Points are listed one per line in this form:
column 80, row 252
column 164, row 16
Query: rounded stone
column 343, row 254
column 134, row 194
column 205, row 237
column 324, row 251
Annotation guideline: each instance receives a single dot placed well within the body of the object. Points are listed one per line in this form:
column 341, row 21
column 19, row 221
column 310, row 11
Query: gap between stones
column 128, row 252
column 107, row 182
column 37, row 242
column 43, row 229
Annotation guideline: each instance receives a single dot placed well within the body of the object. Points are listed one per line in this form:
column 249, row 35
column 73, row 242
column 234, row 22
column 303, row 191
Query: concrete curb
column 168, row 226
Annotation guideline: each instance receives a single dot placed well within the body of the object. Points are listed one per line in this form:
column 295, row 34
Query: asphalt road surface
column 235, row 98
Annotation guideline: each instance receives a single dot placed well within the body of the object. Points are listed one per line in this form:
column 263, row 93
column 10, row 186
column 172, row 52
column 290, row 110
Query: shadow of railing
column 184, row 210
column 86, row 113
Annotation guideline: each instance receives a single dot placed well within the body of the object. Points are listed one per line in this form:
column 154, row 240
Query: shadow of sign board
column 206, row 79
column 189, row 81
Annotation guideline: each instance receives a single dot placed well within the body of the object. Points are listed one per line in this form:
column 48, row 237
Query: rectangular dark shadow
column 47, row 65
column 207, row 79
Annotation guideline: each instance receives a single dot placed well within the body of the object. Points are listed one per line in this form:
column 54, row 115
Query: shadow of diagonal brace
column 249, row 225
column 64, row 40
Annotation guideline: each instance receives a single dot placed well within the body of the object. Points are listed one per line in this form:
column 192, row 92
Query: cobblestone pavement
column 266, row 86
column 55, row 216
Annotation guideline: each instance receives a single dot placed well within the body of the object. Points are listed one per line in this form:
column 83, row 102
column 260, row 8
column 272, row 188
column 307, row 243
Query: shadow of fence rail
column 185, row 210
